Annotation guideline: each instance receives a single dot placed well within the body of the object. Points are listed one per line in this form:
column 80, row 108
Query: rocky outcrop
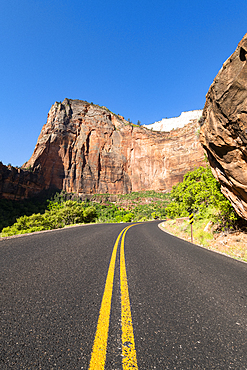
column 16, row 183
column 224, row 131
column 85, row 148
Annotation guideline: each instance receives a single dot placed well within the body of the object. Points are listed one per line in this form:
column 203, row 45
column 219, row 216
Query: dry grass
column 232, row 244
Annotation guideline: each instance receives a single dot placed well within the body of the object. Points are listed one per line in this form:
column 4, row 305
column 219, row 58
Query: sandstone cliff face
column 85, row 148
column 16, row 183
column 224, row 131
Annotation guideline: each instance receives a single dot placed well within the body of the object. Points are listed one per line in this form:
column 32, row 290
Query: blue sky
column 145, row 60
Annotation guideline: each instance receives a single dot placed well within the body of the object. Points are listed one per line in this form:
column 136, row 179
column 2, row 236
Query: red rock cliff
column 16, row 183
column 224, row 131
column 85, row 148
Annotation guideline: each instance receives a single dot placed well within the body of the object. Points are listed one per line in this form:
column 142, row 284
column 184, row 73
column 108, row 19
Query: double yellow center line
column 98, row 356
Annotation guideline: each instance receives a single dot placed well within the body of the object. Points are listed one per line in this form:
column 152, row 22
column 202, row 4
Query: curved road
column 188, row 305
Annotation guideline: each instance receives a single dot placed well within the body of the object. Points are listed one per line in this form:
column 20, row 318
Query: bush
column 200, row 193
column 10, row 210
column 67, row 208
column 59, row 215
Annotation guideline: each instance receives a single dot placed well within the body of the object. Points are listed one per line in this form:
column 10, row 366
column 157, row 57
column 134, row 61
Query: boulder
column 224, row 128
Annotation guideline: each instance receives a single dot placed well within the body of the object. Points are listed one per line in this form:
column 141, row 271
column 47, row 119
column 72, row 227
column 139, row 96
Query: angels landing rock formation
column 85, row 148
column 224, row 131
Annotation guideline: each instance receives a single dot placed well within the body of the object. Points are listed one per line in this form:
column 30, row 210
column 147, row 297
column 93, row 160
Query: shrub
column 59, row 215
column 200, row 192
column 67, row 208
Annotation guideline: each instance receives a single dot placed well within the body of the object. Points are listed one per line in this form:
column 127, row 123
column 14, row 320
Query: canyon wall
column 16, row 183
column 224, row 131
column 85, row 148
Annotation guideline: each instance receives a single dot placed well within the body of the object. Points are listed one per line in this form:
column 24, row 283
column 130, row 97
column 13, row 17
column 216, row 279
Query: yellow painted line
column 98, row 356
column 129, row 360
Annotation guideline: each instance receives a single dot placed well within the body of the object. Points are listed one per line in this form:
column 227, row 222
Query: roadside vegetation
column 200, row 193
column 11, row 210
column 216, row 224
column 65, row 209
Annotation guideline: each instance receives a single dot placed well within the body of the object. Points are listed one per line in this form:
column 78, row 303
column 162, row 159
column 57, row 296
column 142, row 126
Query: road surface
column 66, row 302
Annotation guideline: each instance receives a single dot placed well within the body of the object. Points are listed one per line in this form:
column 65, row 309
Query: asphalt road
column 188, row 304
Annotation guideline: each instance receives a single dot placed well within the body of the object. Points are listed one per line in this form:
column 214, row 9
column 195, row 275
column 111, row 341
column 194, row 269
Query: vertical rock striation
column 16, row 183
column 85, row 148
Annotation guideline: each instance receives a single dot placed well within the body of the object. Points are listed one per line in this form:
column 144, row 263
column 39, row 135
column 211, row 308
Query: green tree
column 200, row 192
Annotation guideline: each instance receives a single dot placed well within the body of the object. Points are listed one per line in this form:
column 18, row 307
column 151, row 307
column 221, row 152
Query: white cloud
column 167, row 124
